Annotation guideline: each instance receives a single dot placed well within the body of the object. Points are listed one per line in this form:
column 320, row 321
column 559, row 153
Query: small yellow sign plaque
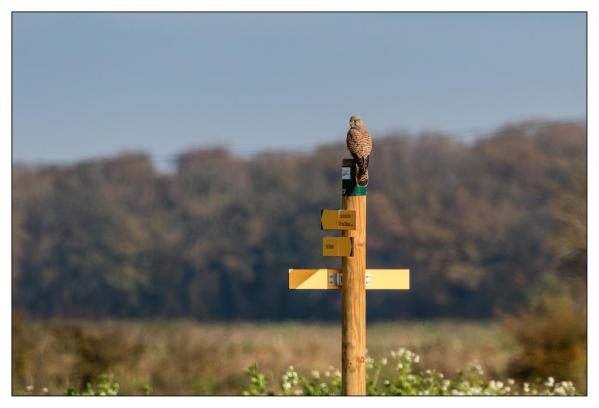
column 337, row 219
column 337, row 246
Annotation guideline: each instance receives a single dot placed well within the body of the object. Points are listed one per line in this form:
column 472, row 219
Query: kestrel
column 359, row 143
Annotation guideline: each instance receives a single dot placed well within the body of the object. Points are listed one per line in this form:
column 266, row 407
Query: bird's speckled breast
column 359, row 141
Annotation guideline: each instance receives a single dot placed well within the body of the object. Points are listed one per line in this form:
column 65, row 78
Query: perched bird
column 359, row 143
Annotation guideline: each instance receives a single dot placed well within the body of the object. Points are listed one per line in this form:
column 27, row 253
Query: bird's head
column 356, row 122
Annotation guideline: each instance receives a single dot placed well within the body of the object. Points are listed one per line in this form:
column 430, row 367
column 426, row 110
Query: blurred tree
column 552, row 328
column 479, row 224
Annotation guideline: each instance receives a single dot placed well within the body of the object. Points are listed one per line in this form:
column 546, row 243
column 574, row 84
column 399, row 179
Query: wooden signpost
column 352, row 278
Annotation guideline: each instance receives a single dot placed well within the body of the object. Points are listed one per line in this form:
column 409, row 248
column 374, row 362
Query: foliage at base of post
column 395, row 375
column 105, row 387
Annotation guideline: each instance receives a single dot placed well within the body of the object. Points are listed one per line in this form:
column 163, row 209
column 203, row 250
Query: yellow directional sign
column 337, row 246
column 376, row 279
column 337, row 219
column 312, row 279
column 388, row 279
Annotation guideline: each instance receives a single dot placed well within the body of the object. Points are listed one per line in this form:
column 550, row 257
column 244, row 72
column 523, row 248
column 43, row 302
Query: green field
column 188, row 358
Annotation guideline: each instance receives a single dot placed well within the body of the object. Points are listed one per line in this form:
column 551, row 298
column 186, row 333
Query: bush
column 552, row 337
column 395, row 375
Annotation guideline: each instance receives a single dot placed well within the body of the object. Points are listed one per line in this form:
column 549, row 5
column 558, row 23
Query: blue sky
column 87, row 85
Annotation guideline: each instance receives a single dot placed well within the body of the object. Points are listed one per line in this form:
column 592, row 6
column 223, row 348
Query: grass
column 189, row 358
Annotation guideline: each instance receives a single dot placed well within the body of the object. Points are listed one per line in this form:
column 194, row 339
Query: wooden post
column 353, row 290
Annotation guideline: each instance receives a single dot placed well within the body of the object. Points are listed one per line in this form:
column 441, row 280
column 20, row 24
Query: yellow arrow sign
column 337, row 246
column 386, row 279
column 337, row 219
column 312, row 278
column 376, row 279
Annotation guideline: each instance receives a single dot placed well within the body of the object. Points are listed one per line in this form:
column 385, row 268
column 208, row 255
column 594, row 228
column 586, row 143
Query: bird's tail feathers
column 362, row 177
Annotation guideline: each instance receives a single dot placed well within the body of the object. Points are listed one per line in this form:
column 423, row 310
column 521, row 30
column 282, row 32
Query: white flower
column 315, row 374
column 369, row 362
column 45, row 390
column 550, row 381
column 29, row 388
column 476, row 368
column 286, row 385
column 383, row 361
column 569, row 385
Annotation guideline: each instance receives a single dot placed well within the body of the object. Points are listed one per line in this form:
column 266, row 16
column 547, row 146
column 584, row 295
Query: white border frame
column 7, row 6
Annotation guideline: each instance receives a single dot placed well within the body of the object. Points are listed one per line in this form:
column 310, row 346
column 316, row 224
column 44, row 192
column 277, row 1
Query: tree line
column 483, row 226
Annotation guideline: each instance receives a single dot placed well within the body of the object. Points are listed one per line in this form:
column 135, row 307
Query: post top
column 349, row 187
